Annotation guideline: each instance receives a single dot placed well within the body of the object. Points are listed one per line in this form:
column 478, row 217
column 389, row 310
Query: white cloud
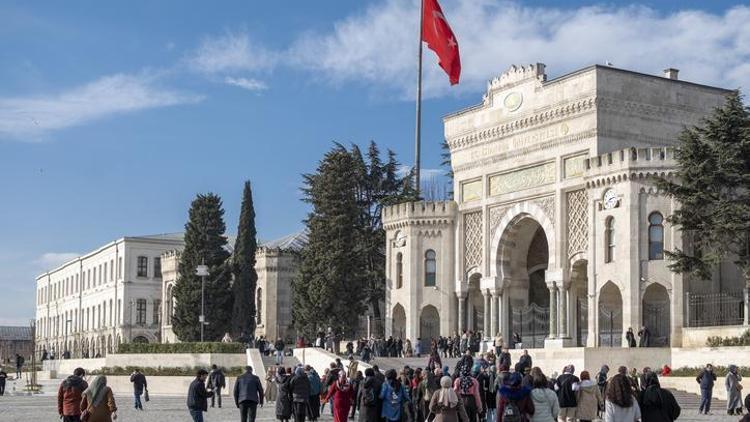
column 425, row 173
column 231, row 52
column 379, row 45
column 248, row 84
column 29, row 118
column 51, row 260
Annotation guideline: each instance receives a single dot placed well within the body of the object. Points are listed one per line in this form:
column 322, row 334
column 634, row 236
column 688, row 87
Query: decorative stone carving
column 473, row 239
column 496, row 214
column 578, row 221
column 547, row 204
column 574, row 166
column 471, row 191
column 526, row 178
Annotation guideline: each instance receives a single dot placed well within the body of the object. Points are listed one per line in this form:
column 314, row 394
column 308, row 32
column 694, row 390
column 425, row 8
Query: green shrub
column 742, row 340
column 720, row 371
column 181, row 348
column 162, row 371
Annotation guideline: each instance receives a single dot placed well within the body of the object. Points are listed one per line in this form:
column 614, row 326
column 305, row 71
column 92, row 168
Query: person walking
column 630, row 337
column 589, row 399
column 19, row 365
column 139, row 385
column 98, row 402
column 315, row 389
column 3, row 377
column 197, row 399
column 734, row 391
column 524, row 361
column 601, row 379
column 284, row 398
column 467, row 388
column 445, row 404
column 341, row 393
column 657, row 404
column 270, row 391
column 706, row 380
column 69, row 396
column 644, row 336
column 279, row 347
column 546, row 406
column 356, row 383
column 394, row 397
column 565, row 386
column 368, row 397
column 299, row 386
column 503, row 359
column 619, row 404
column 514, row 402
column 489, row 391
column 216, row 383
column 248, row 394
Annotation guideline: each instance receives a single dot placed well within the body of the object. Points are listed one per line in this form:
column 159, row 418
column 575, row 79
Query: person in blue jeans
column 197, row 400
column 706, row 379
column 139, row 384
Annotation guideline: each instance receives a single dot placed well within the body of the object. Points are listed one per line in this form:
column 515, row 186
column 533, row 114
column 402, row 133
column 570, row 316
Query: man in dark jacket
column 3, row 377
column 656, row 403
column 19, row 365
column 248, row 393
column 706, row 379
column 197, row 399
column 368, row 397
column 216, row 382
column 566, row 386
column 645, row 337
column 69, row 396
column 139, row 384
column 504, row 359
column 300, row 387
column 279, row 347
column 525, row 361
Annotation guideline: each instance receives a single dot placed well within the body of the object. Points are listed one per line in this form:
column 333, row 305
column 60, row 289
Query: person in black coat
column 525, row 361
column 368, row 397
column 284, row 400
column 197, row 399
column 216, row 382
column 630, row 337
column 248, row 393
column 504, row 359
column 139, row 384
column 356, row 383
column 299, row 386
column 706, row 379
column 645, row 337
column 656, row 403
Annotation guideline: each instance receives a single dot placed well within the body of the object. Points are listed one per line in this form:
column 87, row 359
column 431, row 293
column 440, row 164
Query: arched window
column 259, row 305
column 609, row 239
column 655, row 236
column 399, row 270
column 430, row 268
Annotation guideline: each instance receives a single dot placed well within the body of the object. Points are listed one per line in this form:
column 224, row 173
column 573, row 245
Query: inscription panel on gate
column 529, row 177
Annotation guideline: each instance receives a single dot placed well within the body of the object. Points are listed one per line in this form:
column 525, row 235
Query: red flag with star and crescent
column 439, row 38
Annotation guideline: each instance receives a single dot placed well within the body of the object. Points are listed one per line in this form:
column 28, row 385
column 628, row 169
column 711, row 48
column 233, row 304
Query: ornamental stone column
column 486, row 313
column 493, row 314
column 461, row 312
column 553, row 311
column 565, row 295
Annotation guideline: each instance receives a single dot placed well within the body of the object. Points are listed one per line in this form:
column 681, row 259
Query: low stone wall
column 592, row 359
column 159, row 386
column 696, row 336
column 320, row 359
column 65, row 367
column 689, row 385
column 700, row 356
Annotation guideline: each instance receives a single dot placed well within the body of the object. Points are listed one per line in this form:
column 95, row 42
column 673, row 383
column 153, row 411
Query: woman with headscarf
column 489, row 391
column 284, row 398
column 394, row 397
column 445, row 404
column 342, row 393
column 657, row 404
column 99, row 402
column 467, row 388
column 589, row 399
column 514, row 400
column 299, row 385
column 734, row 390
column 619, row 404
column 369, row 404
column 270, row 391
column 546, row 406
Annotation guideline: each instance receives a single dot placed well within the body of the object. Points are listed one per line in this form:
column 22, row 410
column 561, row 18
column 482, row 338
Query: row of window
column 430, row 269
column 655, row 237
column 96, row 317
column 93, row 277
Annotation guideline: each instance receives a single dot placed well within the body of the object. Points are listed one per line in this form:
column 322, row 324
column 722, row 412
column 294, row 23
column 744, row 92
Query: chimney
column 671, row 73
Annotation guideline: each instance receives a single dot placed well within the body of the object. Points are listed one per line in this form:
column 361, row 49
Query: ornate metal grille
column 610, row 327
column 713, row 309
column 532, row 323
column 582, row 329
column 656, row 318
column 578, row 222
column 473, row 239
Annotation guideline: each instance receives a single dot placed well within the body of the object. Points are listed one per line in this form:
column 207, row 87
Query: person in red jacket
column 69, row 396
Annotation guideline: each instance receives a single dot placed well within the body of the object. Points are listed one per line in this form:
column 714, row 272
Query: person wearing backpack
column 216, row 383
column 369, row 408
column 546, row 407
column 467, row 388
column 566, row 386
column 313, row 410
column 394, row 397
column 514, row 403
column 445, row 405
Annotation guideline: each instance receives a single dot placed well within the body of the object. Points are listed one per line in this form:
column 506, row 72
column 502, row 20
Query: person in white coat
column 546, row 406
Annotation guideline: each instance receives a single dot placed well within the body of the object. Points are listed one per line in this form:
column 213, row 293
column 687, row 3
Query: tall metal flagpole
column 418, row 130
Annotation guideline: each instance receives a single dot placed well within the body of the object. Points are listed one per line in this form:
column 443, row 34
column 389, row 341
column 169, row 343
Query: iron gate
column 610, row 327
column 532, row 323
column 656, row 319
column 582, row 328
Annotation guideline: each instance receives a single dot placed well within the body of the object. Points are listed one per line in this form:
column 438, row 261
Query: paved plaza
column 172, row 409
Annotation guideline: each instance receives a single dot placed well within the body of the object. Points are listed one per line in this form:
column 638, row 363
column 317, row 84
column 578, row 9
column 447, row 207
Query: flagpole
column 418, row 130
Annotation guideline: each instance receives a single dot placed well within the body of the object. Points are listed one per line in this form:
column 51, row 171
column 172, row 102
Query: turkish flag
column 439, row 38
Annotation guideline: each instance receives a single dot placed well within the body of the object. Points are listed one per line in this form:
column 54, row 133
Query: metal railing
column 714, row 309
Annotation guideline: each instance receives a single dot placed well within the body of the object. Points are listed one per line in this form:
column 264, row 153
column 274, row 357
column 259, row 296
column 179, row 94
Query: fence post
column 745, row 319
column 686, row 321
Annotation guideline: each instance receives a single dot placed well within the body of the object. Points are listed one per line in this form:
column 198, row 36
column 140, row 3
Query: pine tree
column 712, row 185
column 328, row 291
column 245, row 277
column 445, row 155
column 205, row 242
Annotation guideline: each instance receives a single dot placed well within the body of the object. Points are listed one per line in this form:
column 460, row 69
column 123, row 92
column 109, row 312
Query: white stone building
column 109, row 296
column 557, row 231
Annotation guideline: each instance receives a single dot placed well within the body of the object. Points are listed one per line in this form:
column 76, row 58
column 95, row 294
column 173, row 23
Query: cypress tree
column 712, row 185
column 205, row 242
column 245, row 277
column 328, row 290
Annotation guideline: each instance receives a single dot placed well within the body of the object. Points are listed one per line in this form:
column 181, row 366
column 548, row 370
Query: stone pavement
column 159, row 409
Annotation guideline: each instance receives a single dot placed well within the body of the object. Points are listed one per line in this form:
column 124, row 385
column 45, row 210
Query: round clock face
column 610, row 199
column 513, row 101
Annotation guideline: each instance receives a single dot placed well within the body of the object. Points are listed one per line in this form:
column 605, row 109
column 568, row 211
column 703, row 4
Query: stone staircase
column 288, row 362
column 690, row 402
column 398, row 363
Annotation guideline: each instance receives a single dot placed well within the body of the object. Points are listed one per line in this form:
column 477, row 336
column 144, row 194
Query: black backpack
column 368, row 396
column 511, row 413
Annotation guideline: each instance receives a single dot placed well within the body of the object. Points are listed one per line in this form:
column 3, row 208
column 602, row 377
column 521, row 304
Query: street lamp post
column 65, row 352
column 202, row 271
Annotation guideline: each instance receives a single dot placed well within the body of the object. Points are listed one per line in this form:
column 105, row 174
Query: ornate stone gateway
column 532, row 323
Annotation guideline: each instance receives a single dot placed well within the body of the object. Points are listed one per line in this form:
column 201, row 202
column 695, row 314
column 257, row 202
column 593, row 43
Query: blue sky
column 112, row 117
